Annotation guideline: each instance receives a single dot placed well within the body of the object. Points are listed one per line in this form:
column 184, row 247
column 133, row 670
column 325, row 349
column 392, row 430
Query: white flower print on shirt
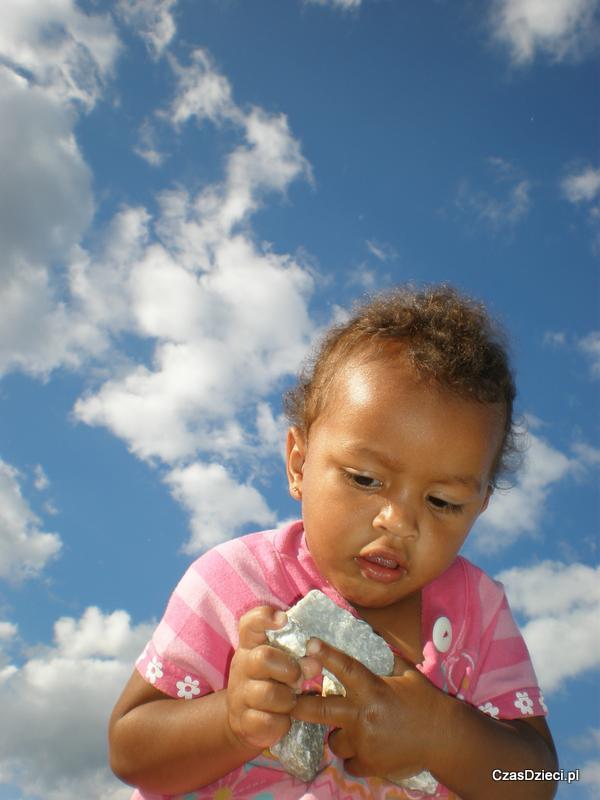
column 488, row 708
column 154, row 670
column 188, row 688
column 524, row 703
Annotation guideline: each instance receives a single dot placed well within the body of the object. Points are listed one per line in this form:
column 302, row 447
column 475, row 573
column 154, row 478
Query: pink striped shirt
column 472, row 650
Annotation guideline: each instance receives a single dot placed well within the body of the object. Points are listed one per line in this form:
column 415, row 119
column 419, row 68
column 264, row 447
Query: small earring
column 295, row 490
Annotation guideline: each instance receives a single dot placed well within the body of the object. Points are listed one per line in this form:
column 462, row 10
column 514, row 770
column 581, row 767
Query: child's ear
column 295, row 453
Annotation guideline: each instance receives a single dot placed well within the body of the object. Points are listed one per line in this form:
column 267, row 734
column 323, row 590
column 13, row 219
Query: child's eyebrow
column 470, row 481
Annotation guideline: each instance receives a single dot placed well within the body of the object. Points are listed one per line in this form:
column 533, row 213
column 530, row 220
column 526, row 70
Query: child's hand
column 263, row 681
column 383, row 722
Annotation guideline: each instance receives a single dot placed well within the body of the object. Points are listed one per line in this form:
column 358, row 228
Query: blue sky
column 191, row 192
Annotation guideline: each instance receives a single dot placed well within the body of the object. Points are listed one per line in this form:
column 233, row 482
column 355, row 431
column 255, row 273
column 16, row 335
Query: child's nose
column 397, row 519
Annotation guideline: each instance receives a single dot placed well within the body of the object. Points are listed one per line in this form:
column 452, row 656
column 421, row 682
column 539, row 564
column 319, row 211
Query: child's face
column 393, row 477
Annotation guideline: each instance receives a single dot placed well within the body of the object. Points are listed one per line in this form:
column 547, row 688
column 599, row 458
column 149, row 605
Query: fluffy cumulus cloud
column 518, row 511
column 55, row 708
column 25, row 548
column 65, row 51
column 217, row 503
column 225, row 337
column 150, row 19
column 228, row 319
column 55, row 62
column 559, row 29
column 561, row 604
column 202, row 92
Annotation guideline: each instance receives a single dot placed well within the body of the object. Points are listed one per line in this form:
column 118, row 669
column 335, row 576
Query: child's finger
column 254, row 623
column 267, row 663
column 275, row 698
column 333, row 711
column 262, row 729
column 353, row 675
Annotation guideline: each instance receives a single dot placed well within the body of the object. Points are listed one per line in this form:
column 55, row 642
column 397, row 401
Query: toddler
column 401, row 427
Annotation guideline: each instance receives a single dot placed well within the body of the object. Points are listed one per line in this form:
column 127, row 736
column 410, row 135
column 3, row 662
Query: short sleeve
column 191, row 649
column 505, row 685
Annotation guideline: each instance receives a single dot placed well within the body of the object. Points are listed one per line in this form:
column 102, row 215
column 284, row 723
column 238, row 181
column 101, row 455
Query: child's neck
column 400, row 625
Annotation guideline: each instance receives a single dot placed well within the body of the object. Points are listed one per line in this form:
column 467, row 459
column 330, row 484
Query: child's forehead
column 387, row 381
column 392, row 408
column 370, row 375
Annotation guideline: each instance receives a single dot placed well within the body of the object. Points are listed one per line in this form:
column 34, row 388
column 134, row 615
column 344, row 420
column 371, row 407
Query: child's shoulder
column 257, row 550
column 464, row 586
column 476, row 577
column 246, row 570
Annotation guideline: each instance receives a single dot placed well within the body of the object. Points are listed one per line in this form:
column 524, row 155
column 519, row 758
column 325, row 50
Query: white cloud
column 562, row 606
column 225, row 339
column 590, row 345
column 8, row 630
column 150, row 19
column 271, row 431
column 229, row 320
column 68, row 53
column 45, row 199
column 41, row 479
column 62, row 755
column 582, row 185
column 219, row 506
column 24, row 548
column 202, row 92
column 497, row 210
column 55, row 61
column 560, row 29
column 519, row 510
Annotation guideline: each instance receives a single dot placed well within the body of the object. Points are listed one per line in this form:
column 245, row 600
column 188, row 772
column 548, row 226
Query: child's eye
column 444, row 505
column 364, row 481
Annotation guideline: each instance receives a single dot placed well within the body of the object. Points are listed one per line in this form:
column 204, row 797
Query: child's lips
column 381, row 565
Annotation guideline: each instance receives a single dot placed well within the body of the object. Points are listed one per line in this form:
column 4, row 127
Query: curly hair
column 448, row 338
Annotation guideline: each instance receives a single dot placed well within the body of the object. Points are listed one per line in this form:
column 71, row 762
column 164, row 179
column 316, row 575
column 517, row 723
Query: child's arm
column 400, row 725
column 170, row 746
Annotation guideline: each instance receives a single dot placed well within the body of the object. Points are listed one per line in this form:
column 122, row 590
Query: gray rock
column 317, row 615
column 300, row 751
